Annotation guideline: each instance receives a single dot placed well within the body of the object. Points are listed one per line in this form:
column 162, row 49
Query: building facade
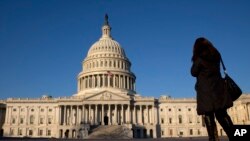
column 106, row 98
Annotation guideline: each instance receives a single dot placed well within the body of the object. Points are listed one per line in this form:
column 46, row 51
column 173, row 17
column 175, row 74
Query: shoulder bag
column 230, row 86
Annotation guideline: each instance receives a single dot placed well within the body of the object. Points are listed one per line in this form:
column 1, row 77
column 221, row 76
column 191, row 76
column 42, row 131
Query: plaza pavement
column 160, row 139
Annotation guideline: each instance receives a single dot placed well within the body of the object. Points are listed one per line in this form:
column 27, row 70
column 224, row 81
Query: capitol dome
column 106, row 45
column 106, row 67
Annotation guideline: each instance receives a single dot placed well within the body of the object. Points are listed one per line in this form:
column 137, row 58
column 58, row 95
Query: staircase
column 111, row 132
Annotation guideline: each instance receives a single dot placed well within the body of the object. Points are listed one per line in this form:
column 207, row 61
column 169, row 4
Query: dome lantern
column 106, row 29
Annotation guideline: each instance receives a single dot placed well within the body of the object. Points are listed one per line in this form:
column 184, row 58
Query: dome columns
column 119, row 81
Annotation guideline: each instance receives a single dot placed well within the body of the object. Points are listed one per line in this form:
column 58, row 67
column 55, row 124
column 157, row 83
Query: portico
column 115, row 114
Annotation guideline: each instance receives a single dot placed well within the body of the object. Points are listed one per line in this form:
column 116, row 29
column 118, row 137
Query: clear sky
column 43, row 42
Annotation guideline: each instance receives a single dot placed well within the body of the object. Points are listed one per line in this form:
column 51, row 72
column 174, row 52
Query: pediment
column 107, row 96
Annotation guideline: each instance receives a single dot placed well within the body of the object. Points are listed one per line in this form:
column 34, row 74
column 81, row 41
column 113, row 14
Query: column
column 71, row 115
column 128, row 82
column 83, row 83
column 115, row 115
column 109, row 115
column 119, row 81
column 129, row 114
column 56, row 108
column 86, row 81
column 108, row 77
column 140, row 120
column 134, row 118
column 77, row 115
column 96, row 106
column 46, row 117
column 89, row 117
column 7, row 114
column 27, row 115
column 83, row 114
column 124, row 81
column 38, row 116
column 64, row 115
column 102, row 114
column 113, row 81
column 103, row 80
column 148, row 114
column 60, row 115
column 122, row 114
column 93, row 81
column 18, row 117
column 99, row 80
column 153, row 113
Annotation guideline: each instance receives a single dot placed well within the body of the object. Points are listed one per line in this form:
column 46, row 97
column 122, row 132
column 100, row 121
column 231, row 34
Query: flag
column 109, row 73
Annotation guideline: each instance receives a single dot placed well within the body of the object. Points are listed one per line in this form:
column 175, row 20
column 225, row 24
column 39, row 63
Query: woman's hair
column 204, row 49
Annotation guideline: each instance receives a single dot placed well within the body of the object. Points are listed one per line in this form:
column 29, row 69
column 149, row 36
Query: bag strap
column 223, row 66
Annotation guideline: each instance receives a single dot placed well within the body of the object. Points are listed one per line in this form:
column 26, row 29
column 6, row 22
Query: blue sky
column 43, row 42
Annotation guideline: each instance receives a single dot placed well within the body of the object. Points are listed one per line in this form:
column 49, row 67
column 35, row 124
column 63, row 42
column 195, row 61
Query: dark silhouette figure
column 211, row 100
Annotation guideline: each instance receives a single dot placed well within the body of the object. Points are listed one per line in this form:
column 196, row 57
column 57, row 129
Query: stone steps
column 111, row 132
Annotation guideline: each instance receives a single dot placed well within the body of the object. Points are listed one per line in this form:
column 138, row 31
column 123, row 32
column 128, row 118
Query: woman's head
column 203, row 48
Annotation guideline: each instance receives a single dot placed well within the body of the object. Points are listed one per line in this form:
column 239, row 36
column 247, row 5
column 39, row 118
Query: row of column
column 110, row 64
column 107, row 114
column 31, row 117
column 106, row 80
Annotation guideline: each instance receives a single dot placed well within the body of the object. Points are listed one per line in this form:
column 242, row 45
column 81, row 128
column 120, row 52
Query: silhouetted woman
column 211, row 100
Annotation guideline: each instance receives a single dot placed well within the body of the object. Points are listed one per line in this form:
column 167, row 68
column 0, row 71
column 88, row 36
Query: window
column 162, row 121
column 32, row 110
column 20, row 132
column 199, row 132
column 179, row 110
column 190, row 119
column 11, row 131
column 49, row 120
column 162, row 132
column 171, row 132
column 181, row 133
column 49, row 132
column 32, row 119
column 191, row 131
column 40, row 132
column 14, row 109
column 13, row 120
column 42, row 110
column 189, row 109
column 170, row 120
column 198, row 120
column 30, row 132
column 180, row 119
column 41, row 120
column 161, row 110
column 50, row 110
column 169, row 109
column 21, row 120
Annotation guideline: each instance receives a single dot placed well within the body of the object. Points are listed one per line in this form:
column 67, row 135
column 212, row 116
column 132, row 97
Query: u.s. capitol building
column 106, row 105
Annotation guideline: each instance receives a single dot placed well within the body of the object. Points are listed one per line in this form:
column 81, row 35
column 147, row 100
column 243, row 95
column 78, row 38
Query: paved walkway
column 161, row 139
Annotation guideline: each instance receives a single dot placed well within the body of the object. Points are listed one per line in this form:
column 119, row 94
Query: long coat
column 209, row 86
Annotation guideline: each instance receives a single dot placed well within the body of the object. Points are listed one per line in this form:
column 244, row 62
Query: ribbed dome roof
column 106, row 45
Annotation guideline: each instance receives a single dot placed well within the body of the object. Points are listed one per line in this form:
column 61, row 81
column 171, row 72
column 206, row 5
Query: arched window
column 96, row 63
column 106, row 63
column 110, row 63
column 180, row 119
column 101, row 63
column 32, row 119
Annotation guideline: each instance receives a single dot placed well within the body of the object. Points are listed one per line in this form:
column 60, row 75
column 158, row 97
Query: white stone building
column 106, row 99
